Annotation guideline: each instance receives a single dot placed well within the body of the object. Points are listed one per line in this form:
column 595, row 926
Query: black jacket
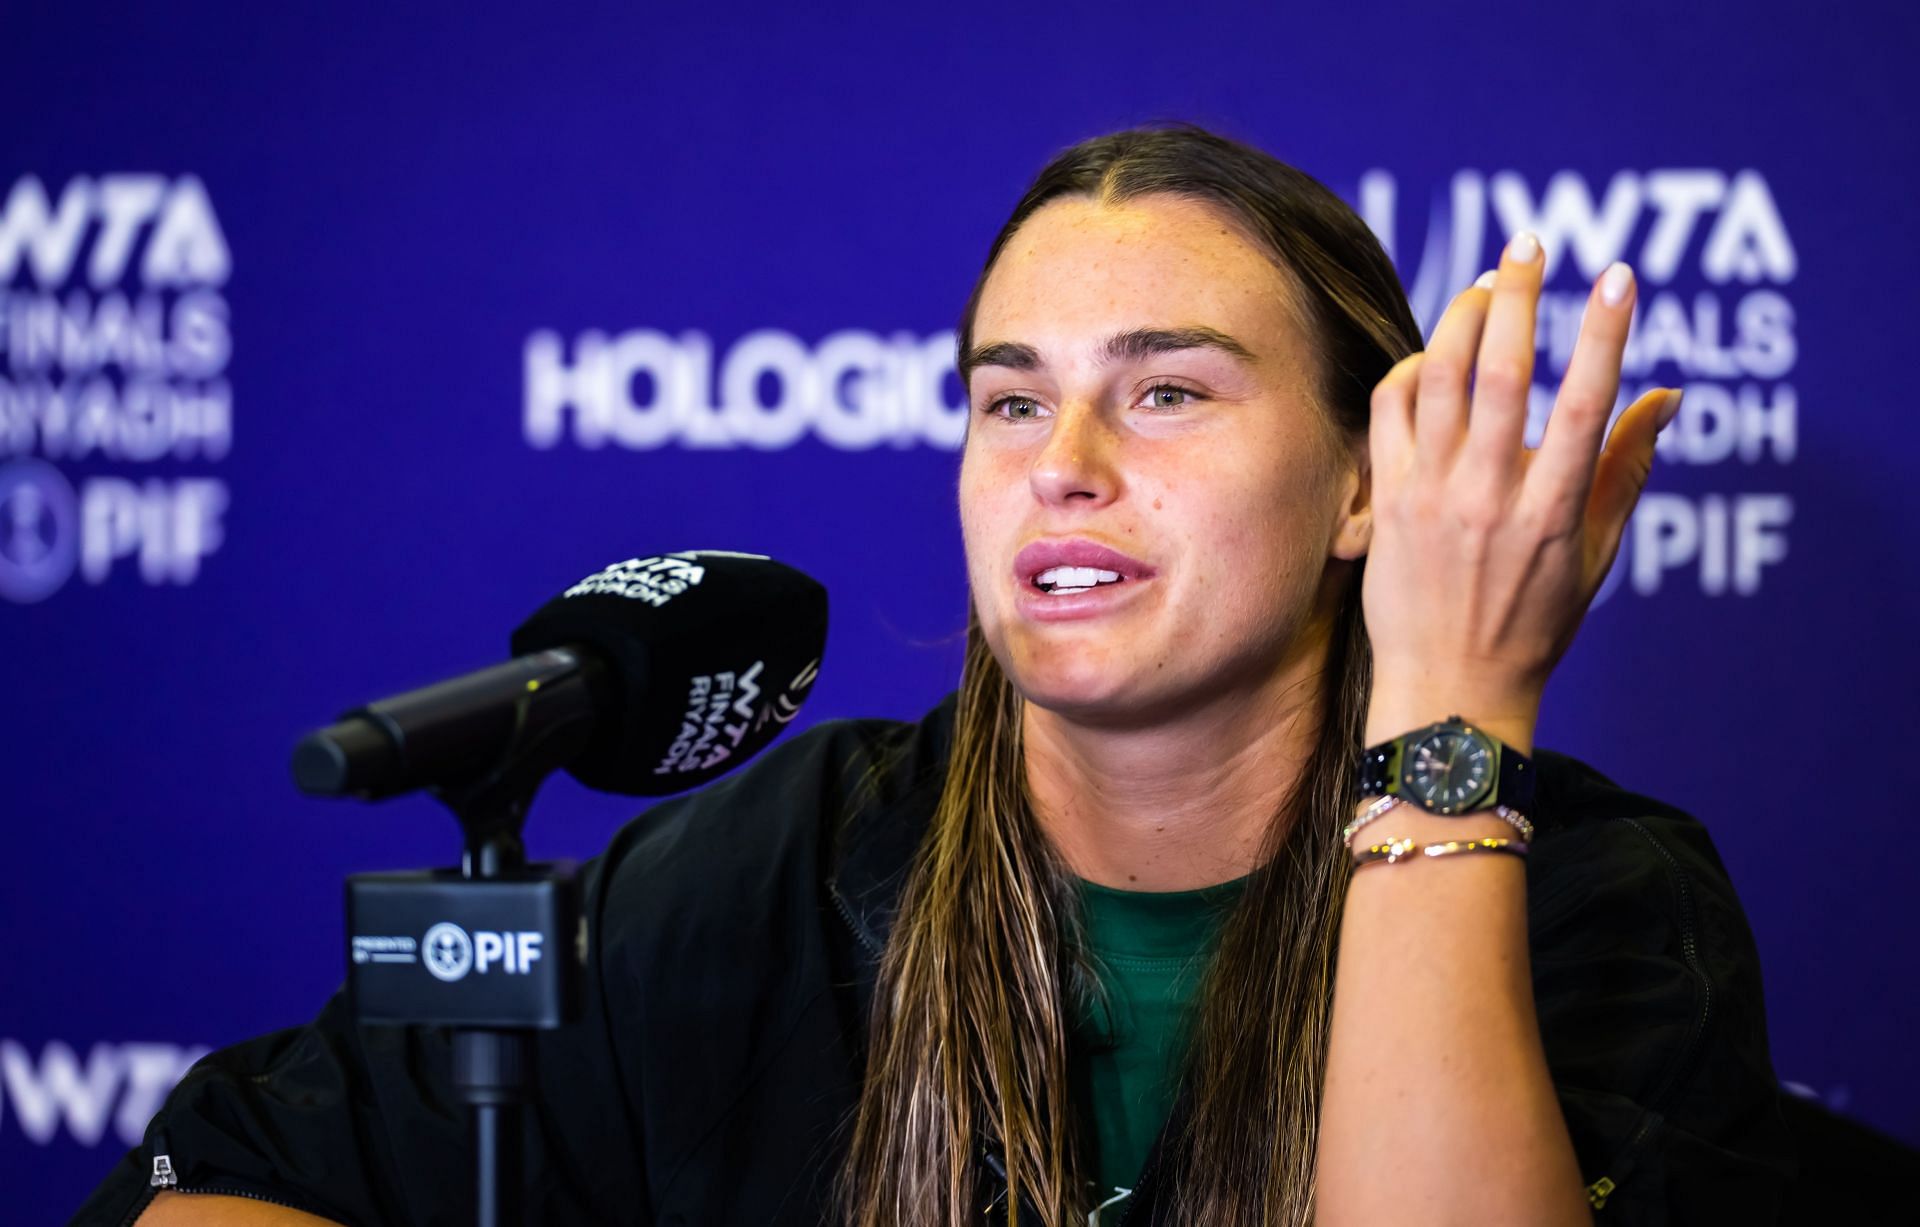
column 736, row 933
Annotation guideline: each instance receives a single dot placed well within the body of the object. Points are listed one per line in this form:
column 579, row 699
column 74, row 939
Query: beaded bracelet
column 1400, row 849
column 1513, row 818
column 1379, row 807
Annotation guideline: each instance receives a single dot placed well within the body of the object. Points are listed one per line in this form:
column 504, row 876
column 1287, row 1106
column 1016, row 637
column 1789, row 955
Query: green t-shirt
column 1151, row 949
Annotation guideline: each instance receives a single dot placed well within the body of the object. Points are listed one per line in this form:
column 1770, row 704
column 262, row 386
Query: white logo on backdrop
column 114, row 343
column 39, row 530
column 117, row 1085
column 1710, row 249
column 645, row 389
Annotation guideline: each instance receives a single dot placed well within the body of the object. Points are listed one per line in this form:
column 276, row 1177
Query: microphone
column 661, row 672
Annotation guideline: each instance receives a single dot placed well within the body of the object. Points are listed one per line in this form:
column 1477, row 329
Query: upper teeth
column 1060, row 579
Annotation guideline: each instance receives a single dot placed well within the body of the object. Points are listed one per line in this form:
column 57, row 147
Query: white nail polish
column 1484, row 281
column 1614, row 284
column 1523, row 247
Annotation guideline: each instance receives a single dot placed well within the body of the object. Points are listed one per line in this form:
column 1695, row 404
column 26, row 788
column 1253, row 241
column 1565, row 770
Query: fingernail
column 1669, row 409
column 1614, row 284
column 1523, row 247
column 1484, row 281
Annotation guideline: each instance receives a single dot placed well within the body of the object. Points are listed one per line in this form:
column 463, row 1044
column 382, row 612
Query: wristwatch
column 1450, row 767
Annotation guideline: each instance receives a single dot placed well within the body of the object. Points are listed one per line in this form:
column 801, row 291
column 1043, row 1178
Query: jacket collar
column 875, row 841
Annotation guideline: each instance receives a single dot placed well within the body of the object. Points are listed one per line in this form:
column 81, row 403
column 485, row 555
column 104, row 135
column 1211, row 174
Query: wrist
column 1397, row 708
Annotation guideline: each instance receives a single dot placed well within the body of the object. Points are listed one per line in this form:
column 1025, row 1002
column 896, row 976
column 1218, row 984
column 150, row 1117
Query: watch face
column 1448, row 770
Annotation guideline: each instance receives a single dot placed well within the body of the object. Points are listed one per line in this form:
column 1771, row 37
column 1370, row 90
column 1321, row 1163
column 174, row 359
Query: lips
column 1074, row 552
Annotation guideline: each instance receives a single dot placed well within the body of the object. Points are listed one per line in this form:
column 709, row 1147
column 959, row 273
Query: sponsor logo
column 108, row 1096
column 449, row 953
column 655, row 580
column 114, row 343
column 385, row 950
column 645, row 389
column 707, row 737
column 787, row 704
column 39, row 530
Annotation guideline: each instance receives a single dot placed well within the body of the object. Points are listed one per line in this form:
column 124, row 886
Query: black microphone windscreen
column 710, row 655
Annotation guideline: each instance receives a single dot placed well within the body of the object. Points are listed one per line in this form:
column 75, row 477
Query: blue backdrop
column 332, row 343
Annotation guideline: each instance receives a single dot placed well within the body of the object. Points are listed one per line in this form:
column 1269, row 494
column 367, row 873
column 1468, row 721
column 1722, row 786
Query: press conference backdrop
column 331, row 344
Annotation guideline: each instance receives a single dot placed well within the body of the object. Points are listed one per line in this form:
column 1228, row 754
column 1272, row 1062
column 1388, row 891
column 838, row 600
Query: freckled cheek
column 1233, row 552
column 989, row 512
column 1247, row 562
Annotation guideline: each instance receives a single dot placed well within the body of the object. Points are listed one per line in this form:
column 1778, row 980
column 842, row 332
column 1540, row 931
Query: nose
column 1076, row 464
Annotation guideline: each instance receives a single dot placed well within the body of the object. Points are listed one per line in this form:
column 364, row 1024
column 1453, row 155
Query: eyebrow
column 1120, row 347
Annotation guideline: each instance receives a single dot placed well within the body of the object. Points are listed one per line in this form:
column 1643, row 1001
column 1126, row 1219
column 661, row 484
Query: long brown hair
column 972, row 1016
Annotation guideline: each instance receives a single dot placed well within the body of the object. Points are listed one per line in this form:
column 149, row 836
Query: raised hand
column 1486, row 553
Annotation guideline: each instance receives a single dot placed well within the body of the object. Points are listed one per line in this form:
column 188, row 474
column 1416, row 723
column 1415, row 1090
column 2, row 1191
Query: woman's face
column 1148, row 495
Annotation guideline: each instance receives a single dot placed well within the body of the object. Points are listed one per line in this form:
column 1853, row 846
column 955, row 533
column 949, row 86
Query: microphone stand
column 492, row 1041
column 490, row 1073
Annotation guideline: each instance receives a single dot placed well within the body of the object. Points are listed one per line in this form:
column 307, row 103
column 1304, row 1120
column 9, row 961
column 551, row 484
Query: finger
column 1390, row 426
column 1621, row 474
column 1440, row 409
column 1564, row 466
column 1503, row 370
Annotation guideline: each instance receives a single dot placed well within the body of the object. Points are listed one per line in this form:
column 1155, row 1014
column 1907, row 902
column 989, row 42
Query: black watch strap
column 1383, row 770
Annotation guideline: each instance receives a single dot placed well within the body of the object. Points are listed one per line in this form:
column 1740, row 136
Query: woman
column 1065, row 950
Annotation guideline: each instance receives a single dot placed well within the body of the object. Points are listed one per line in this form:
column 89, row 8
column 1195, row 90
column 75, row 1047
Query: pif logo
column 450, row 953
column 39, row 530
column 46, row 528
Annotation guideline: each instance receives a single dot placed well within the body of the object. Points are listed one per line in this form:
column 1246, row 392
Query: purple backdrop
column 330, row 345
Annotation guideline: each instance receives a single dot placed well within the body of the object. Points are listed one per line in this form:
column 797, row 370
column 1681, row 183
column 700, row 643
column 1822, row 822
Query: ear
column 1353, row 523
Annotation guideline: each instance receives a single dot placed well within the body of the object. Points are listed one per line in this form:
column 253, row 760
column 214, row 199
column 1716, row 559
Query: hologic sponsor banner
column 114, row 343
column 644, row 389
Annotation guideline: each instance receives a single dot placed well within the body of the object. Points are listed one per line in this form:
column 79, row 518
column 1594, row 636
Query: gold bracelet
column 1400, row 849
